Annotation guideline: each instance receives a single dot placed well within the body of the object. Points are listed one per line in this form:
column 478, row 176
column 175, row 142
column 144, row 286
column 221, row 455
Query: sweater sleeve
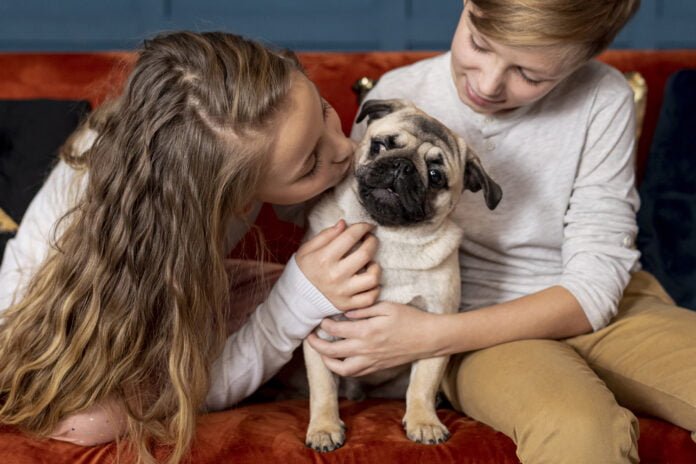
column 600, row 223
column 38, row 229
column 254, row 353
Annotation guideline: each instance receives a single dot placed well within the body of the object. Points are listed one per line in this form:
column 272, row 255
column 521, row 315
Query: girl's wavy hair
column 131, row 301
column 592, row 24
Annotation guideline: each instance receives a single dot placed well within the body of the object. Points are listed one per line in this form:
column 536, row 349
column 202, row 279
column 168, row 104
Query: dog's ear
column 375, row 109
column 476, row 178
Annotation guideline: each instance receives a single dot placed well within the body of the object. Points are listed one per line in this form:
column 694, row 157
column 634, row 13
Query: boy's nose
column 491, row 83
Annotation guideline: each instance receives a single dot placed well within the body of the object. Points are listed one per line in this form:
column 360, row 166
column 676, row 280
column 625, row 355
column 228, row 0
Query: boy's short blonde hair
column 592, row 24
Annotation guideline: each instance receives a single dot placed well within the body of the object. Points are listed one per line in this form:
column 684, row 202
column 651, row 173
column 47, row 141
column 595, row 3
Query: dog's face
column 411, row 169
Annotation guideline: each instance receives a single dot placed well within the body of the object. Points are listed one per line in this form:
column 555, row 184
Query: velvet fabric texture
column 95, row 76
column 264, row 433
column 667, row 216
column 274, row 432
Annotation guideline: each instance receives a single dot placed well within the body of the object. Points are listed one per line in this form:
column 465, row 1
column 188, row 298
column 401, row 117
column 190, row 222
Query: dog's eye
column 377, row 146
column 436, row 179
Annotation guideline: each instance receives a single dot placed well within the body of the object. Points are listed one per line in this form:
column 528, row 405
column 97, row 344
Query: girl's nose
column 345, row 147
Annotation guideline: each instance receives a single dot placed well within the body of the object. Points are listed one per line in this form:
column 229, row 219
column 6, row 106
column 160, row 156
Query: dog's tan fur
column 419, row 266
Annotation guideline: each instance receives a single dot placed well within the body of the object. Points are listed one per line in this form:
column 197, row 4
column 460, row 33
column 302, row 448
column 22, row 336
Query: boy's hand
column 349, row 279
column 379, row 337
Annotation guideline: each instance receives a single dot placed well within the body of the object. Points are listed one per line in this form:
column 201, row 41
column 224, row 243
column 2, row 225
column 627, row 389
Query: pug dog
column 410, row 171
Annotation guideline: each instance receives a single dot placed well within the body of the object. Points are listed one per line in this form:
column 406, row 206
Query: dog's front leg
column 420, row 421
column 326, row 431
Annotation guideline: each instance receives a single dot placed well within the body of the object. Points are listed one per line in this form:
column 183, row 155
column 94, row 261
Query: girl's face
column 309, row 152
column 492, row 78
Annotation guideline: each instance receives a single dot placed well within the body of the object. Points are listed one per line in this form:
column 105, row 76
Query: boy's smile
column 491, row 77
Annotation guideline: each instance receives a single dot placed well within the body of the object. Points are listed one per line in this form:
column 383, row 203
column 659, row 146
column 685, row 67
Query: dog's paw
column 429, row 432
column 327, row 437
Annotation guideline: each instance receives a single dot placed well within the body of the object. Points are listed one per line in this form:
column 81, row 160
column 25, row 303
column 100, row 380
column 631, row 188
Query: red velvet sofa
column 274, row 432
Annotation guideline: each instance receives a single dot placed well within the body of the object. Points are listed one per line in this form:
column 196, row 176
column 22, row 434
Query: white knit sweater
column 565, row 164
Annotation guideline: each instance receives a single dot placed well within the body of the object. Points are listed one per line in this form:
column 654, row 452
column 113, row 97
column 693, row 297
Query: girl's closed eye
column 315, row 166
column 326, row 109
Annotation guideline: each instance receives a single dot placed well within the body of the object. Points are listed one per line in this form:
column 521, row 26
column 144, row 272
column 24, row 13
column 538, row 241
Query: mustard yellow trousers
column 573, row 400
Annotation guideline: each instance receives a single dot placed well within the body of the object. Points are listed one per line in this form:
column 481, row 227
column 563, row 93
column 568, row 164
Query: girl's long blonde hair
column 131, row 301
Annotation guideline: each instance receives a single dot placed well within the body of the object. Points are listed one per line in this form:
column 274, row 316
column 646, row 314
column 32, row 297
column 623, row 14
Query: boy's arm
column 391, row 334
column 600, row 226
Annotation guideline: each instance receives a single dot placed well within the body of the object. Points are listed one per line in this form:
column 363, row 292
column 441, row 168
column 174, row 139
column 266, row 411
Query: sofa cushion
column 31, row 131
column 667, row 217
column 275, row 432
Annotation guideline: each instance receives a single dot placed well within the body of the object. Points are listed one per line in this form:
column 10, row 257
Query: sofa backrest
column 95, row 76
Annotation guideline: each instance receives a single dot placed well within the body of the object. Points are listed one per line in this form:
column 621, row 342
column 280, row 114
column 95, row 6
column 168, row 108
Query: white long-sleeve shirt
column 565, row 165
column 250, row 356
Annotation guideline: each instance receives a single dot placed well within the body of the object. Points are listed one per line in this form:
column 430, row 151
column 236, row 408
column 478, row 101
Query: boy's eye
column 475, row 46
column 527, row 79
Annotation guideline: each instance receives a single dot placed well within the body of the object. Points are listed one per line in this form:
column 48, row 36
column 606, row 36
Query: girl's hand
column 349, row 279
column 382, row 336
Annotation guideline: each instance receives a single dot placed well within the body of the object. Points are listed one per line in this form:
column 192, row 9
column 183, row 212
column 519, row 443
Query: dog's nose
column 401, row 166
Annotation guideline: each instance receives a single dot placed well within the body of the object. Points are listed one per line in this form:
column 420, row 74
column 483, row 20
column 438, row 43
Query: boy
column 557, row 324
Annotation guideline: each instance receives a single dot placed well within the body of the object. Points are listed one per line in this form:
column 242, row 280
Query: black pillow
column 31, row 131
column 667, row 216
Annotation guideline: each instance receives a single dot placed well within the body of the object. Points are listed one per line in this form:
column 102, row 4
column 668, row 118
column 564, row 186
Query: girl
column 115, row 303
column 560, row 333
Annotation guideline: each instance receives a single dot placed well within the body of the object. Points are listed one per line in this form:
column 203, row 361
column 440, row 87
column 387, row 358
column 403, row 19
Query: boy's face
column 492, row 78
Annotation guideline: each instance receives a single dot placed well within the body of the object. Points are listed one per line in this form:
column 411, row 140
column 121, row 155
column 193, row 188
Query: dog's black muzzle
column 392, row 192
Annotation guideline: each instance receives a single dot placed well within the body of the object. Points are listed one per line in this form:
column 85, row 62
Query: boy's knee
column 580, row 434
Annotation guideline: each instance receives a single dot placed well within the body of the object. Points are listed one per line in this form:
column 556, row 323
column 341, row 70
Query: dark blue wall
column 298, row 24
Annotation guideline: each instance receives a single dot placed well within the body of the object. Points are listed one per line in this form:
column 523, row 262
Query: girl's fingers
column 360, row 257
column 323, row 238
column 364, row 299
column 342, row 244
column 365, row 281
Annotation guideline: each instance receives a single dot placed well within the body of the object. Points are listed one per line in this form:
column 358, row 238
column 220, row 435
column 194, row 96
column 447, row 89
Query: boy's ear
column 476, row 178
column 375, row 109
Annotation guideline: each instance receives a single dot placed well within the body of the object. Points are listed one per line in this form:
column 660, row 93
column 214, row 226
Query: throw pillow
column 667, row 217
column 31, row 132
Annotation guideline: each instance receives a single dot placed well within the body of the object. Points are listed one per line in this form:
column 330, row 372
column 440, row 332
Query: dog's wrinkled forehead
column 430, row 130
column 409, row 127
column 404, row 114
